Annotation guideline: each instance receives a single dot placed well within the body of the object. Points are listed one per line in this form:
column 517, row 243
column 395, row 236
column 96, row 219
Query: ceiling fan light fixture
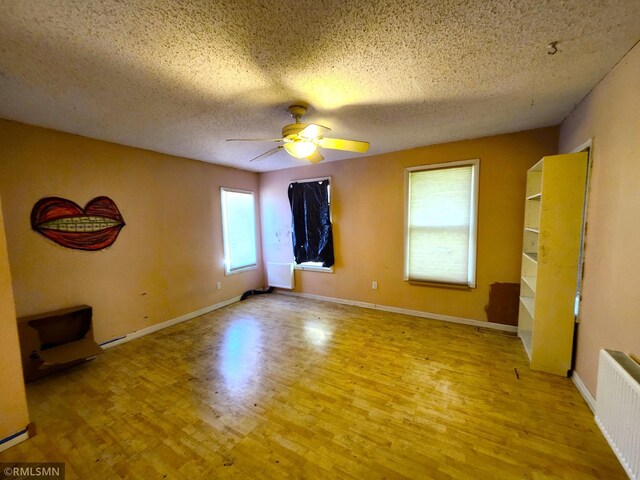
column 304, row 140
column 300, row 148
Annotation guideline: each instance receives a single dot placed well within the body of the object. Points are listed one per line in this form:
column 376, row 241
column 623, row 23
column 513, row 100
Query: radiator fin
column 618, row 407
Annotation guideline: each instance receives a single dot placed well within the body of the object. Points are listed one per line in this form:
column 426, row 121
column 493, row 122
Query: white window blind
column 238, row 230
column 441, row 223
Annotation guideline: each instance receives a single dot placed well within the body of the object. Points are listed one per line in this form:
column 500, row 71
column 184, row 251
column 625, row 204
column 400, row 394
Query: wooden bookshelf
column 553, row 217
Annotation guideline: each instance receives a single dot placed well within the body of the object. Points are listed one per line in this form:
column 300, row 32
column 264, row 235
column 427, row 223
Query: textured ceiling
column 182, row 76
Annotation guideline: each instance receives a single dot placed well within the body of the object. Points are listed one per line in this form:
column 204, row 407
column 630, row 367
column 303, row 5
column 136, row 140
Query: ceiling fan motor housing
column 293, row 129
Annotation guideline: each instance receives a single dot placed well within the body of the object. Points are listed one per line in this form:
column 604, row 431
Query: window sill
column 455, row 286
column 311, row 268
column 240, row 270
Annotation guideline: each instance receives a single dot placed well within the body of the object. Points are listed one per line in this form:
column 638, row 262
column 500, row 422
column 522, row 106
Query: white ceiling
column 182, row 76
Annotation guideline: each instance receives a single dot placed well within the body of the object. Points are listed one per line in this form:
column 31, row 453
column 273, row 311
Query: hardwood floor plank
column 282, row 387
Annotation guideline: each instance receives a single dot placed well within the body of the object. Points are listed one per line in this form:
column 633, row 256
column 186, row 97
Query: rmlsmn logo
column 41, row 471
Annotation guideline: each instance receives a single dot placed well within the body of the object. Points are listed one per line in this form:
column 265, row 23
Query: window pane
column 440, row 225
column 239, row 229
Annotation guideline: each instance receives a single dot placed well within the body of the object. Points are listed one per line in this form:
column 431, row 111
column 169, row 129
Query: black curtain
column 311, row 225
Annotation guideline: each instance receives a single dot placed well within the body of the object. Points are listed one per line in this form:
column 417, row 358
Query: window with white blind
column 440, row 223
column 238, row 230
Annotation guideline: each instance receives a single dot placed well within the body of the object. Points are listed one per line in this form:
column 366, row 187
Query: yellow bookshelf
column 553, row 219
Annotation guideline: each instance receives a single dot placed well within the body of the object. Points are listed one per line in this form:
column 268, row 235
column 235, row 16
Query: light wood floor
column 279, row 387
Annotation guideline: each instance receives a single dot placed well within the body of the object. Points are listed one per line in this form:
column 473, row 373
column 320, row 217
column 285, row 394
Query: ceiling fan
column 302, row 140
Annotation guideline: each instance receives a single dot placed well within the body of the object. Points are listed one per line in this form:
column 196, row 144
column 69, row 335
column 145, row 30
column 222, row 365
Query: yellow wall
column 168, row 257
column 368, row 216
column 610, row 310
column 13, row 402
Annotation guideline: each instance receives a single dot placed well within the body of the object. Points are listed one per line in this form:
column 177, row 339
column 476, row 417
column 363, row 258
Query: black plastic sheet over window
column 311, row 222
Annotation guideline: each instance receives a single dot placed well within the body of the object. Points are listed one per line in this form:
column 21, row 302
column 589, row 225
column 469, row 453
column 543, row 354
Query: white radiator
column 618, row 407
column 280, row 275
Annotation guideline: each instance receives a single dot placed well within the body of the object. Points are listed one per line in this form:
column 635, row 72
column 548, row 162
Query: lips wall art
column 94, row 227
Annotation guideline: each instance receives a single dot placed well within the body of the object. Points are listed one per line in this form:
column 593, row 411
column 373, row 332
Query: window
column 238, row 230
column 440, row 223
column 312, row 234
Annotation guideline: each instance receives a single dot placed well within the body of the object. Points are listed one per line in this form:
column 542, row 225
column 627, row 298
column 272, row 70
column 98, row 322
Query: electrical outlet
column 374, row 285
column 218, row 285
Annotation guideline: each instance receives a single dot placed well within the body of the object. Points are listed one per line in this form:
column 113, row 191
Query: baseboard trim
column 169, row 323
column 415, row 313
column 586, row 394
column 14, row 439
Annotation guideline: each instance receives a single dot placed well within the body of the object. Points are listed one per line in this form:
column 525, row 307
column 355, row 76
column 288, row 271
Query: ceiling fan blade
column 315, row 157
column 254, row 139
column 267, row 153
column 342, row 144
column 313, row 131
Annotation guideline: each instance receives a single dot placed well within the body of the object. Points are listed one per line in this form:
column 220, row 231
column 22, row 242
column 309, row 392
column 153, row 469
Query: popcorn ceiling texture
column 180, row 77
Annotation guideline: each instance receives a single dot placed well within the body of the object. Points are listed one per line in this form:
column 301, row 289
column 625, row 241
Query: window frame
column 473, row 222
column 225, row 241
column 306, row 265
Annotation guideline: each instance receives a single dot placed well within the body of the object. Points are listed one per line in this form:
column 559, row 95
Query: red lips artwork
column 93, row 228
